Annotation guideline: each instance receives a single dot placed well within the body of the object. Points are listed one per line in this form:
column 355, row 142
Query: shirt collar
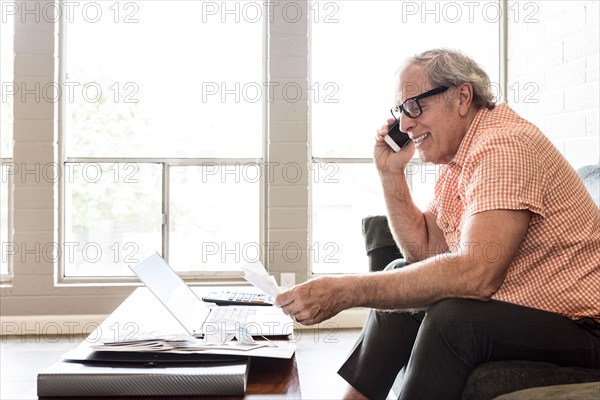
column 461, row 155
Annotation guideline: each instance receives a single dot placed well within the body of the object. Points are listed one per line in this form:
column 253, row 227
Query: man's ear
column 465, row 98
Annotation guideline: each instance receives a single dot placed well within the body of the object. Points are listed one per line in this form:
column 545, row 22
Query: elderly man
column 504, row 263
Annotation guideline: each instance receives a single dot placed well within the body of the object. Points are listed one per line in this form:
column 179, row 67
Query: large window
column 162, row 135
column 356, row 48
column 6, row 138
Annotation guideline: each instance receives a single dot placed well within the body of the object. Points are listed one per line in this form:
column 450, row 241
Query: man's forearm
column 420, row 285
column 407, row 222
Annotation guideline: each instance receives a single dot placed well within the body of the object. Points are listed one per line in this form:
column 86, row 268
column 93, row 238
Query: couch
column 511, row 380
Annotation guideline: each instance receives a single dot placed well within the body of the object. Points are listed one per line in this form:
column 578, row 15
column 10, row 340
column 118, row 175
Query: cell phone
column 395, row 138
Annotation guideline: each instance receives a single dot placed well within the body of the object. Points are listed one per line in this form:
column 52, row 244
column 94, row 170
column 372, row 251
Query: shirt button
column 446, row 225
column 458, row 197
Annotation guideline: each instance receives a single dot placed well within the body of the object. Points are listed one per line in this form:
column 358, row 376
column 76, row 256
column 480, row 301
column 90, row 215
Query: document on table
column 273, row 349
column 176, row 346
column 257, row 275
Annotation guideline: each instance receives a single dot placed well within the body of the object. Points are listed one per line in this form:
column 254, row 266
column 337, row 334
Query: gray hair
column 446, row 67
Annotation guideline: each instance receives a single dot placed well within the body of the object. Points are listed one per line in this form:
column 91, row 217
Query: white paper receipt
column 257, row 275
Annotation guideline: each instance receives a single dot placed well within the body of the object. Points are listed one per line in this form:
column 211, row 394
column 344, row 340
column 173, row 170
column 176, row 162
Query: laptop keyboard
column 232, row 314
column 245, row 296
column 239, row 298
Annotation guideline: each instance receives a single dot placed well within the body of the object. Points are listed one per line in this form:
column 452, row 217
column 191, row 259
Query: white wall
column 553, row 57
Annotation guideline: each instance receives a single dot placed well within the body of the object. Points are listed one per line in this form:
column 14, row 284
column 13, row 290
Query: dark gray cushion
column 376, row 232
column 495, row 378
column 379, row 242
column 590, row 175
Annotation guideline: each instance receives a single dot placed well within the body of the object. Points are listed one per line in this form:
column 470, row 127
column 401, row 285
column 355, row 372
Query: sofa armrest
column 379, row 242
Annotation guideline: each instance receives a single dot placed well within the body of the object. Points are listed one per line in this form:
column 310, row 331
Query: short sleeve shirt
column 505, row 162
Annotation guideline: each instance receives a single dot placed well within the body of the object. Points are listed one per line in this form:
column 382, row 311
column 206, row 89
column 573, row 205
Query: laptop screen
column 173, row 292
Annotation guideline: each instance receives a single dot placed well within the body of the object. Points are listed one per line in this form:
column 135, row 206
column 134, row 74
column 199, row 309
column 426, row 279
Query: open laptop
column 199, row 318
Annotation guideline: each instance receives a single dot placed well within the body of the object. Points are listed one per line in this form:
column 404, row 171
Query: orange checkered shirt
column 505, row 162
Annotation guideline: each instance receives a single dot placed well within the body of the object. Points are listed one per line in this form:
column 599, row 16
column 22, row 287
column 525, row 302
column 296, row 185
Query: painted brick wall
column 553, row 77
column 287, row 197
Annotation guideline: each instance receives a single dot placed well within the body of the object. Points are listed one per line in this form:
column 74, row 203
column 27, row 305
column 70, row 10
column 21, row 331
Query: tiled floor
column 319, row 354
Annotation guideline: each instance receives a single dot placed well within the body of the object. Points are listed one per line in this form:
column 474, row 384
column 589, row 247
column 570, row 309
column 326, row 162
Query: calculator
column 239, row 298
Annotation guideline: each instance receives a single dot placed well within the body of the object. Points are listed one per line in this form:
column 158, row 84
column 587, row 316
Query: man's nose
column 406, row 124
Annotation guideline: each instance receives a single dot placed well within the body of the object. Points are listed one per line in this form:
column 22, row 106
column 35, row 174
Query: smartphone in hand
column 396, row 139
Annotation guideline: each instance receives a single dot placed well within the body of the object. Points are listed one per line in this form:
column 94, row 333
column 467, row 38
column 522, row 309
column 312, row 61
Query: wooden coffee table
column 273, row 378
column 268, row 378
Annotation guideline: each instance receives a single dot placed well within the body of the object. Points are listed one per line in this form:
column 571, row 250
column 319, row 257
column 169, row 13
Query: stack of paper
column 186, row 346
column 279, row 349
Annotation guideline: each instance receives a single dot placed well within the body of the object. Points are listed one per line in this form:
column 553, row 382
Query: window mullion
column 165, row 209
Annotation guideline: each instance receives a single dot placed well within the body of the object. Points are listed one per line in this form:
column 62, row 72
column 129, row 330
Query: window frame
column 212, row 277
column 8, row 277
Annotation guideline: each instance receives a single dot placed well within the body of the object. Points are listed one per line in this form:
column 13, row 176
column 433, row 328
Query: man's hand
column 316, row 300
column 386, row 160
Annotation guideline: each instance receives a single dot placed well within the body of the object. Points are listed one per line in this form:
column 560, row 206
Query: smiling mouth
column 419, row 139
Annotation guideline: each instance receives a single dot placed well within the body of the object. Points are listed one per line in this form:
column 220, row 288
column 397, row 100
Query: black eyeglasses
column 411, row 107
